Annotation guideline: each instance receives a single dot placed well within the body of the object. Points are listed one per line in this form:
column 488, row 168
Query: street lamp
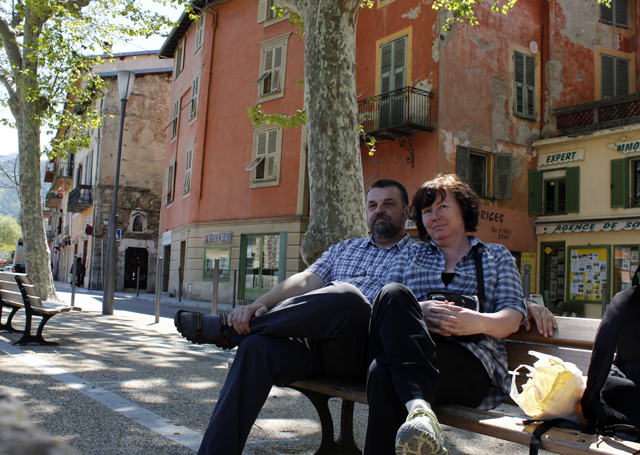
column 125, row 85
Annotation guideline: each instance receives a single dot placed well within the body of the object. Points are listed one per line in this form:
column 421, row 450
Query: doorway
column 134, row 258
column 166, row 267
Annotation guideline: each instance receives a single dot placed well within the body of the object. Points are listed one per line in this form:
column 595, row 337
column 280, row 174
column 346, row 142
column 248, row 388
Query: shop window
column 262, row 263
column 200, row 32
column 273, row 63
column 554, row 192
column 588, row 270
column 265, row 166
column 480, row 169
column 210, row 256
column 624, row 266
column 552, row 273
column 625, row 182
column 616, row 14
column 524, row 70
column 614, row 76
column 169, row 182
column 179, row 56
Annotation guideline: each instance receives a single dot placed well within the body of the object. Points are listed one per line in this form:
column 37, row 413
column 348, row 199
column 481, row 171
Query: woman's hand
column 441, row 317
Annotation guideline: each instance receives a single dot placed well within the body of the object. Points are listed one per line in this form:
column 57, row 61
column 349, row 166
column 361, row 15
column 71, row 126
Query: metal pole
column 73, row 281
column 138, row 282
column 604, row 298
column 526, row 280
column 158, row 290
column 179, row 284
column 216, row 276
column 235, row 279
column 110, row 280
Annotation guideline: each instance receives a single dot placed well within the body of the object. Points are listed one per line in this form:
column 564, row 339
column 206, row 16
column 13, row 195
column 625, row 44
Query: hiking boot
column 202, row 328
column 421, row 434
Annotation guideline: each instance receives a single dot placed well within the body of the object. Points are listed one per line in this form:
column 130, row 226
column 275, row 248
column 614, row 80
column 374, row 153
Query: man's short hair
column 384, row 183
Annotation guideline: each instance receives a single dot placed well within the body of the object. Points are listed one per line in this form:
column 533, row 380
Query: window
column 614, row 76
column 393, row 62
column 524, row 70
column 625, row 263
column 475, row 167
column 195, row 91
column 272, row 68
column 210, row 256
column 187, row 171
column 625, row 182
column 265, row 166
column 262, row 257
column 169, row 182
column 89, row 177
column 137, row 224
column 554, row 192
column 617, row 14
column 179, row 56
column 265, row 11
column 200, row 32
column 176, row 117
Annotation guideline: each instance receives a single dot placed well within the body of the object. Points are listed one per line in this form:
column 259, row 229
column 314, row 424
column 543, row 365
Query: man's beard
column 384, row 231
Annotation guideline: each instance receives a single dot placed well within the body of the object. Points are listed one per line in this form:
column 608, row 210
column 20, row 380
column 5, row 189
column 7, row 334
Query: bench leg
column 345, row 445
column 27, row 338
column 7, row 326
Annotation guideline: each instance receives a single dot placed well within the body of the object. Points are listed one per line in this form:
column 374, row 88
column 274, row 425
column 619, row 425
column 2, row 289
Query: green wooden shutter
column 462, row 162
column 573, row 189
column 535, row 192
column 399, row 62
column 606, row 13
column 619, row 183
column 386, row 66
column 530, row 86
column 607, row 84
column 622, row 76
column 621, row 10
column 518, row 69
column 503, row 175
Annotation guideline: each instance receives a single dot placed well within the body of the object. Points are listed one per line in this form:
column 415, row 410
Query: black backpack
column 611, row 401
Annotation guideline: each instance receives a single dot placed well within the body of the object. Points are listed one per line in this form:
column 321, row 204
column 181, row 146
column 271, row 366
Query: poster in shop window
column 587, row 273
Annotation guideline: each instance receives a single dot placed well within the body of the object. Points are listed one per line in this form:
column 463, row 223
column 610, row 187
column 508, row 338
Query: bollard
column 216, row 277
column 235, row 280
column 73, row 281
column 158, row 290
column 526, row 280
column 138, row 282
column 179, row 284
column 604, row 298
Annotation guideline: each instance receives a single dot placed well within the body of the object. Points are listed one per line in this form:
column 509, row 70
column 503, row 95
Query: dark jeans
column 322, row 332
column 404, row 366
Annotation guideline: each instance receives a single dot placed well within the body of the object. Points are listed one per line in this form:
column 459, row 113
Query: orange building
column 472, row 100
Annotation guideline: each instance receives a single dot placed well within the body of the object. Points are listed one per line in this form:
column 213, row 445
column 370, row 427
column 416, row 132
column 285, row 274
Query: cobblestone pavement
column 123, row 384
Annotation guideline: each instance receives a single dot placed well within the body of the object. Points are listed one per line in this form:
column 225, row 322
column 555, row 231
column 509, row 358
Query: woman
column 407, row 329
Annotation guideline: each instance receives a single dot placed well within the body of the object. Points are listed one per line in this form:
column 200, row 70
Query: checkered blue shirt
column 420, row 268
column 359, row 262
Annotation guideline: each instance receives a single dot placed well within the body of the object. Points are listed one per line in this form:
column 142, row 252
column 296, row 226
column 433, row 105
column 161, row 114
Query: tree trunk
column 37, row 255
column 335, row 165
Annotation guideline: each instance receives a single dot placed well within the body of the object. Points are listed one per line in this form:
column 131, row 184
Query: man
column 315, row 322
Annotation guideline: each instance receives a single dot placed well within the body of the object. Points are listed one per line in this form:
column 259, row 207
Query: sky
column 9, row 136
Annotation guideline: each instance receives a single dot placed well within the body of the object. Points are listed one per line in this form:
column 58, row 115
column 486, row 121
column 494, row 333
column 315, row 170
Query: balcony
column 53, row 200
column 597, row 115
column 79, row 199
column 402, row 112
column 49, row 172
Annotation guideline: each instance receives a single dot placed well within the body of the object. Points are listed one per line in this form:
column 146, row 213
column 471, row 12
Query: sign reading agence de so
column 618, row 225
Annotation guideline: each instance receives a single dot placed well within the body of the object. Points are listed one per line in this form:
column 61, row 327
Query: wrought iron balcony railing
column 402, row 112
column 598, row 115
column 79, row 199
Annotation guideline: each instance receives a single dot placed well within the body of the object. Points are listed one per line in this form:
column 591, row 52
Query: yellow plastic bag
column 553, row 390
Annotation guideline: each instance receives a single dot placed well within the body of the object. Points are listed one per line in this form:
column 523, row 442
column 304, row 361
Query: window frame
column 497, row 178
column 615, row 68
column 625, row 182
column 204, row 264
column 271, row 45
column 615, row 9
column 195, row 93
column 188, row 171
column 536, row 189
column 170, row 182
column 275, row 179
column 267, row 15
column 176, row 120
column 180, row 57
column 529, row 105
column 254, row 293
column 200, row 29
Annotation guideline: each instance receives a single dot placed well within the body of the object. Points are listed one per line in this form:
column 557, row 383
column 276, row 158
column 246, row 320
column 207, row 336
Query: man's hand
column 240, row 317
column 545, row 320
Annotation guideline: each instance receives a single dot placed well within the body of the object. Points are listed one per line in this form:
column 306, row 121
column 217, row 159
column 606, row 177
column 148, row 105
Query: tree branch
column 10, row 43
column 11, row 91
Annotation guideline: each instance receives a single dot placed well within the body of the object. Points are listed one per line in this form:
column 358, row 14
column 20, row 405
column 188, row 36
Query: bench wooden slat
column 571, row 332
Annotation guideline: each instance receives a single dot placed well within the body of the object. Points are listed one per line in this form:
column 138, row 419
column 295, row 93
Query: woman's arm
column 447, row 320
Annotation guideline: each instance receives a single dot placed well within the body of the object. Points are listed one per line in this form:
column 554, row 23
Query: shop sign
column 588, row 226
column 556, row 159
column 166, row 238
column 216, row 238
column 627, row 147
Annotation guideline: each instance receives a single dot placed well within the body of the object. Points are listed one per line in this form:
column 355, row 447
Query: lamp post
column 125, row 85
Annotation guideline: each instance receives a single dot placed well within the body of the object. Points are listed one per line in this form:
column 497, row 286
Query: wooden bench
column 17, row 291
column 573, row 342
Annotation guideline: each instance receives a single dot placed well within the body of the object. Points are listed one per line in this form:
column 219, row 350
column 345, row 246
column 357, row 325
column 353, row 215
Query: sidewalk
column 123, row 384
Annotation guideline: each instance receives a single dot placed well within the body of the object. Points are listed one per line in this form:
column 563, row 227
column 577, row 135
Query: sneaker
column 421, row 434
column 202, row 328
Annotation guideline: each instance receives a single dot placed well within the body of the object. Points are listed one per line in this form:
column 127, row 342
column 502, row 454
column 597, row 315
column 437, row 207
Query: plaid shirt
column 420, row 268
column 359, row 262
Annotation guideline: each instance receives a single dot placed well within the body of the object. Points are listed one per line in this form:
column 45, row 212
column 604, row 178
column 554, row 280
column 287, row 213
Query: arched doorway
column 134, row 257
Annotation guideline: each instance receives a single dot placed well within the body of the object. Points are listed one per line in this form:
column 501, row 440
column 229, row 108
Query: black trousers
column 322, row 332
column 407, row 363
